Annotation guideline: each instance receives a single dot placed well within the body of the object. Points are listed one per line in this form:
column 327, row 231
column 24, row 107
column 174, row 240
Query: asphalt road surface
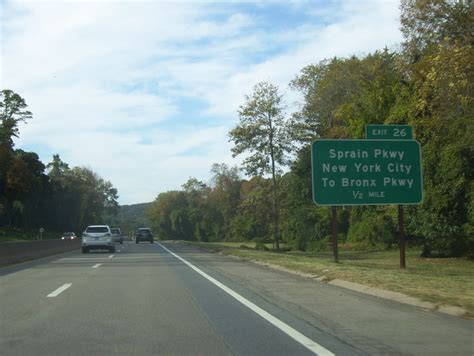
column 171, row 299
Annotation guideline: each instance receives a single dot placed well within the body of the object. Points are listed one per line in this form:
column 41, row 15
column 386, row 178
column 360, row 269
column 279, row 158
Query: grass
column 10, row 234
column 440, row 280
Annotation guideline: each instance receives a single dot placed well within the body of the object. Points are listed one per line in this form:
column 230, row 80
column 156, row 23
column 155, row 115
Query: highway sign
column 388, row 132
column 366, row 172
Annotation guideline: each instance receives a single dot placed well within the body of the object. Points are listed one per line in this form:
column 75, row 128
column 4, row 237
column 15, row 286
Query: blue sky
column 144, row 93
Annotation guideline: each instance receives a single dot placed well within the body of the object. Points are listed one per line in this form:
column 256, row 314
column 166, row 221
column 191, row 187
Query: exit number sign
column 388, row 132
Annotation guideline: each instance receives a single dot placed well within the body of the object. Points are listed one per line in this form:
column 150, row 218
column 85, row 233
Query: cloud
column 145, row 93
column 363, row 26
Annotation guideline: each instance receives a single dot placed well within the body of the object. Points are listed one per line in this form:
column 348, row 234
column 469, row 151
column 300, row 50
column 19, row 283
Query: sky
column 145, row 92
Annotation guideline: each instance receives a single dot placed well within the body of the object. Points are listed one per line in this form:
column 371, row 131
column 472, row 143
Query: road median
column 17, row 252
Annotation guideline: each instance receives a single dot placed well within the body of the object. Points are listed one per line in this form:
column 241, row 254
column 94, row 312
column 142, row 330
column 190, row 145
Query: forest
column 426, row 83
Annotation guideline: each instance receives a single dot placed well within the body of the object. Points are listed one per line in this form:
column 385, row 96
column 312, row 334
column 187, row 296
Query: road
column 171, row 299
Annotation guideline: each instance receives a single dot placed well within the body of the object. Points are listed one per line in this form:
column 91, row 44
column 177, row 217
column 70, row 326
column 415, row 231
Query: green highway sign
column 366, row 172
column 388, row 132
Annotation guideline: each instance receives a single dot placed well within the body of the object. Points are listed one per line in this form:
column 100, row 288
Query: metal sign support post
column 335, row 248
column 401, row 229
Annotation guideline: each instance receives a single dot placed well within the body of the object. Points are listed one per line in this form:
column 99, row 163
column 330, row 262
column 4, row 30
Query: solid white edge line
column 97, row 265
column 294, row 334
column 59, row 290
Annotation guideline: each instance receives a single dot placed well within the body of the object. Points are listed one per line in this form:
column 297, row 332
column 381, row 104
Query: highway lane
column 139, row 300
column 143, row 300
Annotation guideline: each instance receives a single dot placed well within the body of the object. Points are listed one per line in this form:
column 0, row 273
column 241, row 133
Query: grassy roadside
column 445, row 281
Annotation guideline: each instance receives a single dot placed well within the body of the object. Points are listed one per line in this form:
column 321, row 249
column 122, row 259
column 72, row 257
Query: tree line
column 53, row 195
column 427, row 83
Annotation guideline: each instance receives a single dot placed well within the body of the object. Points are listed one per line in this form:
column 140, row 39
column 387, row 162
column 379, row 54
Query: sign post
column 393, row 132
column 367, row 172
column 41, row 230
column 335, row 246
column 401, row 229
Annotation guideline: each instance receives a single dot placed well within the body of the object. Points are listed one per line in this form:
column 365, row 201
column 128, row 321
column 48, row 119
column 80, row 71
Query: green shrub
column 317, row 245
column 373, row 229
column 260, row 245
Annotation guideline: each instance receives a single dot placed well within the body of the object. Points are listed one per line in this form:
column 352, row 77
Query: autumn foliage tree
column 262, row 134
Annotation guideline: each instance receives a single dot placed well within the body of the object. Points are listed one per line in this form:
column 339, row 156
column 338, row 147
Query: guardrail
column 16, row 252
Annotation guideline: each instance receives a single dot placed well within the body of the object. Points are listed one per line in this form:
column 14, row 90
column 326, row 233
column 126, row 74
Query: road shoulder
column 368, row 290
column 369, row 324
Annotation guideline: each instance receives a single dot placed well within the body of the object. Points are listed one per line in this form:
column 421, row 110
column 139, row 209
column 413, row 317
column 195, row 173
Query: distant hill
column 129, row 218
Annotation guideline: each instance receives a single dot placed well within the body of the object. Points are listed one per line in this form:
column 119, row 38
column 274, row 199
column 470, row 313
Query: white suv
column 97, row 237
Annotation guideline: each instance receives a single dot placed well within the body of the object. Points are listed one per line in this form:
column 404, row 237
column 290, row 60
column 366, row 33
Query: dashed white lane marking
column 111, row 256
column 97, row 265
column 59, row 290
column 288, row 330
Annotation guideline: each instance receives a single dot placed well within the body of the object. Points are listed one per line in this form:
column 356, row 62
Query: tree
column 196, row 194
column 438, row 54
column 262, row 132
column 91, row 194
column 326, row 86
column 57, row 168
column 255, row 213
column 78, row 197
column 169, row 216
column 18, row 185
column 342, row 95
column 224, row 199
column 25, row 187
column 426, row 23
column 12, row 112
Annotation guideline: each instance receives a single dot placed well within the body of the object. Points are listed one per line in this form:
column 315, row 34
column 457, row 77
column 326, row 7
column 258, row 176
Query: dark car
column 143, row 234
column 68, row 236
